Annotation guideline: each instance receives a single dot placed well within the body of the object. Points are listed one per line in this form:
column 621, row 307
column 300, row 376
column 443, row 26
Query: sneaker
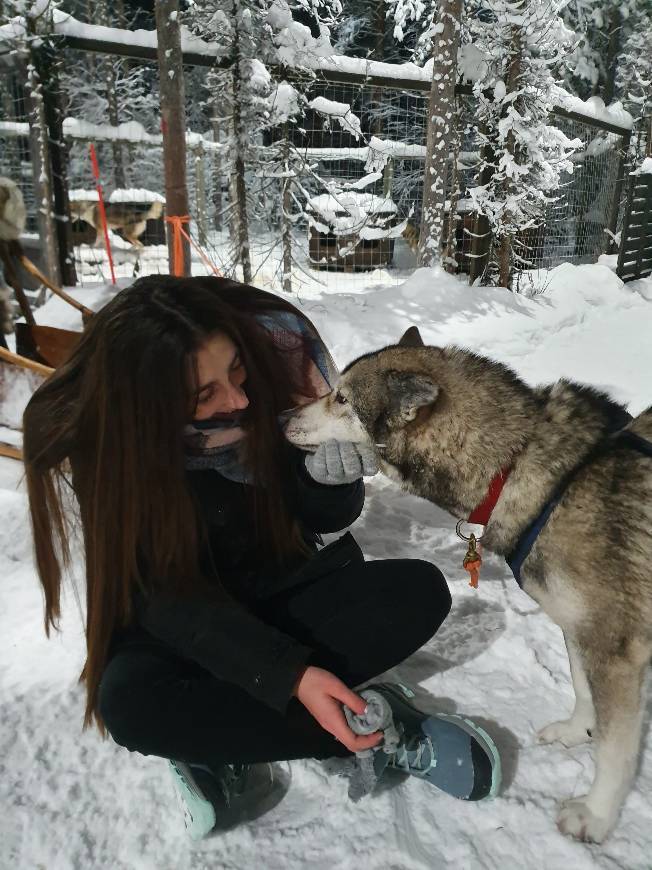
column 447, row 750
column 198, row 810
column 222, row 797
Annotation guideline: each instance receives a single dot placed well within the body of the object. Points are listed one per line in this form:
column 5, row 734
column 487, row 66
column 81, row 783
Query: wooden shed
column 352, row 231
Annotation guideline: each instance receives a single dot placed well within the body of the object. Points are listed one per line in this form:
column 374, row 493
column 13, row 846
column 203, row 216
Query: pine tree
column 521, row 42
column 257, row 38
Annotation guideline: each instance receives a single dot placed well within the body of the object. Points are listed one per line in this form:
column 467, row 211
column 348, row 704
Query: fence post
column 618, row 190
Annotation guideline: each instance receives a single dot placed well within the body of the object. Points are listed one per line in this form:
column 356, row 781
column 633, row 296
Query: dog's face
column 374, row 398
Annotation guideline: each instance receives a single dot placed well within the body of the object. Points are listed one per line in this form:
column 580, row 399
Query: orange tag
column 472, row 562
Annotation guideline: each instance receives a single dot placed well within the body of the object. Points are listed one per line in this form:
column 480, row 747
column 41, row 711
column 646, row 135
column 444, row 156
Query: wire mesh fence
column 333, row 198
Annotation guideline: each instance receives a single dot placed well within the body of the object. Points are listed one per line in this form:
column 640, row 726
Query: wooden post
column 611, row 246
column 173, row 120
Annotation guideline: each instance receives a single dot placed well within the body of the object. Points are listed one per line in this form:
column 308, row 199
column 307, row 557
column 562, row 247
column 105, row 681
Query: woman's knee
column 424, row 585
column 123, row 696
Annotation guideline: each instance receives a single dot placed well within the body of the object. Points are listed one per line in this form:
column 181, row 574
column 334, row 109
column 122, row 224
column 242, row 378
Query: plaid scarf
column 216, row 443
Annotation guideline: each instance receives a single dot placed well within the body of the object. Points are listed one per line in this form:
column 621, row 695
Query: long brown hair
column 113, row 416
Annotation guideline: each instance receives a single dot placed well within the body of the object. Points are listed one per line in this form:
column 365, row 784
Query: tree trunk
column 173, row 120
column 239, row 144
column 506, row 241
column 450, row 251
column 217, row 171
column 613, row 51
column 50, row 62
column 440, row 119
column 41, row 171
column 286, row 208
column 200, row 192
column 119, row 177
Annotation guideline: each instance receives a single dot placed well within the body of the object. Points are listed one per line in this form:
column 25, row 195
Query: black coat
column 224, row 635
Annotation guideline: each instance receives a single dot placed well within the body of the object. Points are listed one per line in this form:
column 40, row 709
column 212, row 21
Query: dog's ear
column 411, row 338
column 408, row 392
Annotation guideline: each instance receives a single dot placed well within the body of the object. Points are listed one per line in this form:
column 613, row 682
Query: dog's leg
column 617, row 683
column 577, row 729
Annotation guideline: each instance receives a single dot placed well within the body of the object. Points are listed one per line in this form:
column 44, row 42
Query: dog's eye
column 341, row 399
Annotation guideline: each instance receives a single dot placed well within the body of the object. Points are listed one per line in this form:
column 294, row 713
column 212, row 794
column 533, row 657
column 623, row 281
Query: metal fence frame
column 377, row 84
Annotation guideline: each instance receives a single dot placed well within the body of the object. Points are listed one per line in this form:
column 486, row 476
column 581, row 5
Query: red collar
column 482, row 512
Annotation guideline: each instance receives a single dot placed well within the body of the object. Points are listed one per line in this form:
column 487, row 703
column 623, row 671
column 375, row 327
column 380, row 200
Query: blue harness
column 525, row 543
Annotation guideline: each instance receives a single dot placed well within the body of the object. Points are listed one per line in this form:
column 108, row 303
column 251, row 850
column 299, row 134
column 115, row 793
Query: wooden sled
column 23, row 375
column 41, row 348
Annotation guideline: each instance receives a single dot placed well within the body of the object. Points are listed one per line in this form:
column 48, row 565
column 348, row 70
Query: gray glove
column 337, row 462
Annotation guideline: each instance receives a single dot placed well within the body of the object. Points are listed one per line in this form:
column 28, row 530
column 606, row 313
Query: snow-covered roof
column 136, row 194
column 645, row 168
column 129, row 131
column 79, row 194
column 343, row 203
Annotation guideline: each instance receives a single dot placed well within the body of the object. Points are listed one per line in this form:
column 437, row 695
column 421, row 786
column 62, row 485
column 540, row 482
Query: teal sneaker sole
column 198, row 812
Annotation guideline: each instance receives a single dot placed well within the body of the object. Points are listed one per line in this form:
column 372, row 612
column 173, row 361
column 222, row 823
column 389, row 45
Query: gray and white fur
column 450, row 420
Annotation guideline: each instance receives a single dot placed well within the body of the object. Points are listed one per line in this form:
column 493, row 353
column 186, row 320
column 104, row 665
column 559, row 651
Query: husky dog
column 130, row 218
column 573, row 517
column 12, row 210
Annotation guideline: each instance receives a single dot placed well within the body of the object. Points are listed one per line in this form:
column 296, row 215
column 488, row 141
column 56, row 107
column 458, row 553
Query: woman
column 218, row 634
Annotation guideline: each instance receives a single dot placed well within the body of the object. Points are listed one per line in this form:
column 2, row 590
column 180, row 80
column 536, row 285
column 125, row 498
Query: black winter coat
column 224, row 635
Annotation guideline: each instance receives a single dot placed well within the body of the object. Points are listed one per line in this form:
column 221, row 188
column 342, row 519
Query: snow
column 352, row 212
column 79, row 194
column 129, row 131
column 594, row 107
column 342, row 113
column 136, row 194
column 645, row 168
column 71, row 800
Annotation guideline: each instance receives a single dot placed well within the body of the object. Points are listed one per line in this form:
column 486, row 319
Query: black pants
column 361, row 621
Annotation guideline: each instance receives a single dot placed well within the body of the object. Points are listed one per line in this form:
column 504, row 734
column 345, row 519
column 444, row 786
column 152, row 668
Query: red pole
column 98, row 185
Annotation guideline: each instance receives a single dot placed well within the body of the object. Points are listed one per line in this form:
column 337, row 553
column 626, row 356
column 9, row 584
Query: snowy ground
column 72, row 801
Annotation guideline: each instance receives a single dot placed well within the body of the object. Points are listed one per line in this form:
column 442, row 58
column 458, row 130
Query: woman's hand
column 338, row 462
column 322, row 694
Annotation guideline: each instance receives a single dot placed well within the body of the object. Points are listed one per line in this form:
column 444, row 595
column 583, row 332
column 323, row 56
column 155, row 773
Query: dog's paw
column 569, row 732
column 576, row 820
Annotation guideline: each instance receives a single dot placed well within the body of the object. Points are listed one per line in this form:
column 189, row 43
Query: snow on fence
column 359, row 135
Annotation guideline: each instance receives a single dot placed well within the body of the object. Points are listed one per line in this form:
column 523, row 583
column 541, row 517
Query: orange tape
column 177, row 242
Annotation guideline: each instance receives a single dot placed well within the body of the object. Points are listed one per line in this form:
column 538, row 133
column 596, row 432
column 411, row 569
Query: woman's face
column 221, row 379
